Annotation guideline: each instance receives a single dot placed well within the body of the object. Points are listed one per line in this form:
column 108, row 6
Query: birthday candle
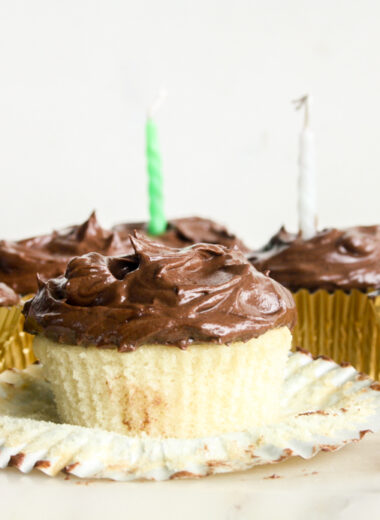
column 307, row 193
column 157, row 221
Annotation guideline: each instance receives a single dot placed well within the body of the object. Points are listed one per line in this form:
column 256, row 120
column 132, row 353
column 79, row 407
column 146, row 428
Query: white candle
column 307, row 192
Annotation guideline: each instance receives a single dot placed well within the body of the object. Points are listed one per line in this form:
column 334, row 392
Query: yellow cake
column 169, row 392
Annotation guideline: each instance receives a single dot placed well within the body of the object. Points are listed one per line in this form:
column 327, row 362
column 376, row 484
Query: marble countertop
column 331, row 485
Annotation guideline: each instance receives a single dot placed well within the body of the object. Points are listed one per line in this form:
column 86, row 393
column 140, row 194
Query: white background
column 76, row 78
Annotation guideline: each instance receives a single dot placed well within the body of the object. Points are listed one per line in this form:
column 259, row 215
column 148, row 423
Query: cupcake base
column 163, row 391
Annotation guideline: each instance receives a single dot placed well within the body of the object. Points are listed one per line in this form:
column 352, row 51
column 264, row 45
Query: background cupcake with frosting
column 186, row 231
column 44, row 256
column 334, row 276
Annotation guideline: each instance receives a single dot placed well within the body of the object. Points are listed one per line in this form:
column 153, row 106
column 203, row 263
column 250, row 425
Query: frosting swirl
column 159, row 295
column 49, row 254
column 7, row 296
column 182, row 232
column 333, row 259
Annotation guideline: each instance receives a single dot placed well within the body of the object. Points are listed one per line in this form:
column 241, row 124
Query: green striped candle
column 157, row 221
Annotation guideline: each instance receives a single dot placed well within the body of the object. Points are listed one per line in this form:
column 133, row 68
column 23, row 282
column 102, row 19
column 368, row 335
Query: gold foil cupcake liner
column 17, row 352
column 342, row 326
column 9, row 320
column 325, row 406
column 15, row 345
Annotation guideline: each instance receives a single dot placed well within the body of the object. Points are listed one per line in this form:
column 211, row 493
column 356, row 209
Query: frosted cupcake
column 165, row 342
column 333, row 276
column 183, row 232
column 47, row 256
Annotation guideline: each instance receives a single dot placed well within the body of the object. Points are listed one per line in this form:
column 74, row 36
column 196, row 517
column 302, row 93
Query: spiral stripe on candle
column 157, row 223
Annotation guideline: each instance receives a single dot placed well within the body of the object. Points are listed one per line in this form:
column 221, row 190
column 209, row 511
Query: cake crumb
column 273, row 476
column 309, row 474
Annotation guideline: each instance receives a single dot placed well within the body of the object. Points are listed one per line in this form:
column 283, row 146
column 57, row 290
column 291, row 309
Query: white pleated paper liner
column 325, row 406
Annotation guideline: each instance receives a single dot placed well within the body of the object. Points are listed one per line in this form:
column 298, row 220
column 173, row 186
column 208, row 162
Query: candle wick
column 304, row 101
column 157, row 103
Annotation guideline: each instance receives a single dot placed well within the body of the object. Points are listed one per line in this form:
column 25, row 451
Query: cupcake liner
column 9, row 319
column 325, row 406
column 340, row 325
column 17, row 352
column 15, row 345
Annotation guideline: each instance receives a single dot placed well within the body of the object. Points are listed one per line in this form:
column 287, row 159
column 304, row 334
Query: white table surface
column 344, row 484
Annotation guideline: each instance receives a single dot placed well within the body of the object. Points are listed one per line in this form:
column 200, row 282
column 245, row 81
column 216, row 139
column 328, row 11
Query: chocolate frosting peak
column 332, row 259
column 49, row 254
column 159, row 295
column 7, row 296
column 182, row 232
column 79, row 240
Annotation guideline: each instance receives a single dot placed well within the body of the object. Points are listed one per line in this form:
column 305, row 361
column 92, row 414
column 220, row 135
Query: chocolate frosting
column 333, row 259
column 159, row 295
column 7, row 296
column 49, row 254
column 187, row 231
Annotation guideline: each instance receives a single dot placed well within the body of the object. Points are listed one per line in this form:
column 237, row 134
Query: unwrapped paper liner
column 324, row 407
column 340, row 325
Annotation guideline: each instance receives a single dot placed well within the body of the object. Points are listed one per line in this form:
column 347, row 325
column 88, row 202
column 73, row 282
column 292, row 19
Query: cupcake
column 183, row 232
column 334, row 277
column 47, row 255
column 165, row 342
